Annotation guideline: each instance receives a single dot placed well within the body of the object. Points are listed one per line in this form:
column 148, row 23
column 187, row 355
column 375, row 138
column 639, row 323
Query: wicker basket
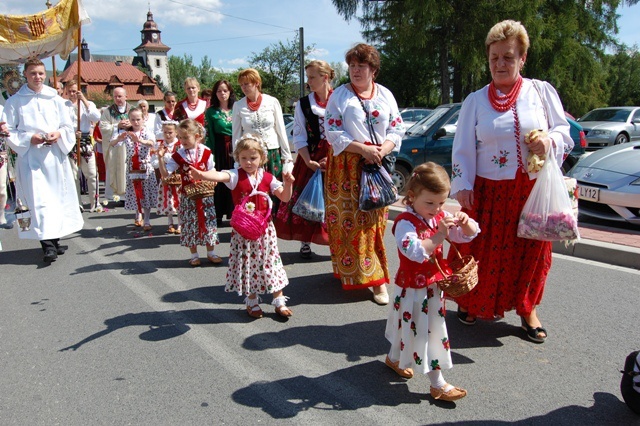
column 198, row 190
column 464, row 274
column 173, row 179
column 248, row 221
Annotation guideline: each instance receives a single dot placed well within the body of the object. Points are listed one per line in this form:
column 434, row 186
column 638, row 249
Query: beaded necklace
column 503, row 103
column 254, row 106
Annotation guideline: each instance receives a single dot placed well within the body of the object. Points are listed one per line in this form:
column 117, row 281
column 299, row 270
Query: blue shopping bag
column 310, row 204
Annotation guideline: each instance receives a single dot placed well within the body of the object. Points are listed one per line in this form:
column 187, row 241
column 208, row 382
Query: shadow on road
column 165, row 325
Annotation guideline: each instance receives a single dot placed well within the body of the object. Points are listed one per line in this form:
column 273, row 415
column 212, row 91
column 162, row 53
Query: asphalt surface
column 120, row 330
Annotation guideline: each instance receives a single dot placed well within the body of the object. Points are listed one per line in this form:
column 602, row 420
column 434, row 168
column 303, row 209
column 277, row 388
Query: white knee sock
column 437, row 381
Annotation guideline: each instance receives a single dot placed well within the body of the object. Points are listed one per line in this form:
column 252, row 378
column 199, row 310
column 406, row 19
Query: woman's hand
column 465, row 198
column 323, row 164
column 314, row 165
column 540, row 145
column 372, row 154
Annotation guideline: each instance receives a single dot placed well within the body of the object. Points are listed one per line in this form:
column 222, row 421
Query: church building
column 100, row 74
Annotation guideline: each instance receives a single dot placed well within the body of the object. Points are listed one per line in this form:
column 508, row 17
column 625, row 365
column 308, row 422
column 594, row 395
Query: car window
column 612, row 115
column 420, row 114
column 423, row 125
column 636, row 115
column 407, row 115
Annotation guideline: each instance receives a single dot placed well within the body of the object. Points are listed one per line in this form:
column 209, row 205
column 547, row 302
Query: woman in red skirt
column 311, row 144
column 491, row 182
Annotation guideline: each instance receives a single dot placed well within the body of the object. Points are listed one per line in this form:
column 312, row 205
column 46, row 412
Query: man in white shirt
column 41, row 133
column 89, row 114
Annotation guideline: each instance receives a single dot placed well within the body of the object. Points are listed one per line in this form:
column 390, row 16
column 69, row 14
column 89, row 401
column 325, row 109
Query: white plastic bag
column 548, row 214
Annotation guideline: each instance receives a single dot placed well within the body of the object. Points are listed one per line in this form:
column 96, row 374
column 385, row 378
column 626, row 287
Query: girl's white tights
column 437, row 381
column 147, row 215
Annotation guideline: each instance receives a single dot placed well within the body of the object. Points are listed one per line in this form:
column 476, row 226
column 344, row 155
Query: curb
column 598, row 251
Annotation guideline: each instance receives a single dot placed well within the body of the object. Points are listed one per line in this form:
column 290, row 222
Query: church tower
column 153, row 52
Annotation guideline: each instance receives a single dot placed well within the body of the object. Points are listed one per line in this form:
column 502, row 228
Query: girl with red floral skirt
column 416, row 324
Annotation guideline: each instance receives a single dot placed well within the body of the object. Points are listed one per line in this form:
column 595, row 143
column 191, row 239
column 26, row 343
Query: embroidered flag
column 44, row 34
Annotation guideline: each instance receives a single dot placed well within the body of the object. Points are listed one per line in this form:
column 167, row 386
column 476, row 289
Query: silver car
column 609, row 183
column 610, row 126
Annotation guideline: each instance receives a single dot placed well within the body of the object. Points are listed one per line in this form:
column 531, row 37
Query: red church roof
column 103, row 77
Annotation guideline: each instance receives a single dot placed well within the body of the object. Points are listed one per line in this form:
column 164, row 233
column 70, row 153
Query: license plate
column 589, row 193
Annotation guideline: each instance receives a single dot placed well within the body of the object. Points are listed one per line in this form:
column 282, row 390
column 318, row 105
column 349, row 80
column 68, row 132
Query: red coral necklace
column 319, row 102
column 191, row 106
column 502, row 103
column 253, row 106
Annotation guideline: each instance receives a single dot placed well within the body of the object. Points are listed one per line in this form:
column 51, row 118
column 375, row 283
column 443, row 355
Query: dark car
column 431, row 139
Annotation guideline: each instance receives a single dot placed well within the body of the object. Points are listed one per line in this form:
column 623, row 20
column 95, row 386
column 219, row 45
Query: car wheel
column 400, row 177
column 621, row 138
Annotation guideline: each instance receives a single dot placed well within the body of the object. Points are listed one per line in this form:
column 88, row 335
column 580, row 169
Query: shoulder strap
column 313, row 124
column 544, row 103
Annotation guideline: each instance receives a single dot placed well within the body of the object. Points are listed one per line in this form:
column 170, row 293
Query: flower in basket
column 250, row 207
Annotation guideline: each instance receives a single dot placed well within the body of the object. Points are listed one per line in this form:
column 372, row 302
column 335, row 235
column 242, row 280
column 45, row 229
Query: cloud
column 318, row 53
column 184, row 12
column 238, row 62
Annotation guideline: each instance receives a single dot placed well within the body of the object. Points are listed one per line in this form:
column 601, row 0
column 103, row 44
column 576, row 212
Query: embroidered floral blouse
column 409, row 243
column 300, row 126
column 485, row 143
column 345, row 120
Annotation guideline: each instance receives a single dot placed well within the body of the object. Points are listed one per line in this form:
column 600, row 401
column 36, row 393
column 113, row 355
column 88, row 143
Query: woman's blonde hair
column 190, row 80
column 508, row 29
column 250, row 141
column 322, row 67
column 252, row 76
column 427, row 176
column 192, row 127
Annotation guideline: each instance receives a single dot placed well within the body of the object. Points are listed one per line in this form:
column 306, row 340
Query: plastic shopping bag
column 376, row 188
column 548, row 214
column 310, row 204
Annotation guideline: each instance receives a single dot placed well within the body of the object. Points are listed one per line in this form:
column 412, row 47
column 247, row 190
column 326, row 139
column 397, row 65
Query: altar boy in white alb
column 41, row 133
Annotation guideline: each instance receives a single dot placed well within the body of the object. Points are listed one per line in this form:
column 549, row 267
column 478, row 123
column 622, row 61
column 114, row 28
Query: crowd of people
column 199, row 160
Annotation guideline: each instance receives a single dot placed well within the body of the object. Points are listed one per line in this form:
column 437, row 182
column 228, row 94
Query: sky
column 231, row 31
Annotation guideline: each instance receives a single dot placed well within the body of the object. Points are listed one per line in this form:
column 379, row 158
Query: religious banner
column 44, row 34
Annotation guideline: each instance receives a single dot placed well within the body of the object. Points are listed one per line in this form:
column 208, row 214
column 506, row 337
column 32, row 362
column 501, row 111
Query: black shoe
column 6, row 225
column 305, row 252
column 50, row 255
column 60, row 250
column 463, row 317
column 534, row 333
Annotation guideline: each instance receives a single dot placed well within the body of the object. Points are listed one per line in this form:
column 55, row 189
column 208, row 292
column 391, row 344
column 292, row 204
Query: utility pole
column 301, row 34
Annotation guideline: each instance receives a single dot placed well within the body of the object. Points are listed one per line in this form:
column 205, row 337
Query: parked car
column 288, row 118
column 289, row 129
column 431, row 139
column 579, row 145
column 411, row 116
column 610, row 126
column 609, row 183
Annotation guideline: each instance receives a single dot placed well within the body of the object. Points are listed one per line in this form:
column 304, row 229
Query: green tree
column 623, row 69
column 568, row 42
column 279, row 66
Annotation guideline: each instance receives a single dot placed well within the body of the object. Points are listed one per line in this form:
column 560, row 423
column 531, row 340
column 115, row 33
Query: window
column 158, row 63
column 147, row 90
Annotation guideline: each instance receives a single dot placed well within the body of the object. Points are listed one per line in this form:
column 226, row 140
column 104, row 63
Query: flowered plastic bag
column 310, row 204
column 376, row 188
column 548, row 214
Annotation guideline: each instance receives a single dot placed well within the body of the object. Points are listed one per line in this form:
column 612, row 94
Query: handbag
column 310, row 204
column 376, row 188
column 548, row 214
column 389, row 160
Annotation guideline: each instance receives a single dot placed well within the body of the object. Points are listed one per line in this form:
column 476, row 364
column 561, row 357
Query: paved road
column 120, row 330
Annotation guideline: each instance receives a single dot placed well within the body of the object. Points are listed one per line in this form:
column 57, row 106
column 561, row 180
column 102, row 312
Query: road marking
column 237, row 362
column 598, row 264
